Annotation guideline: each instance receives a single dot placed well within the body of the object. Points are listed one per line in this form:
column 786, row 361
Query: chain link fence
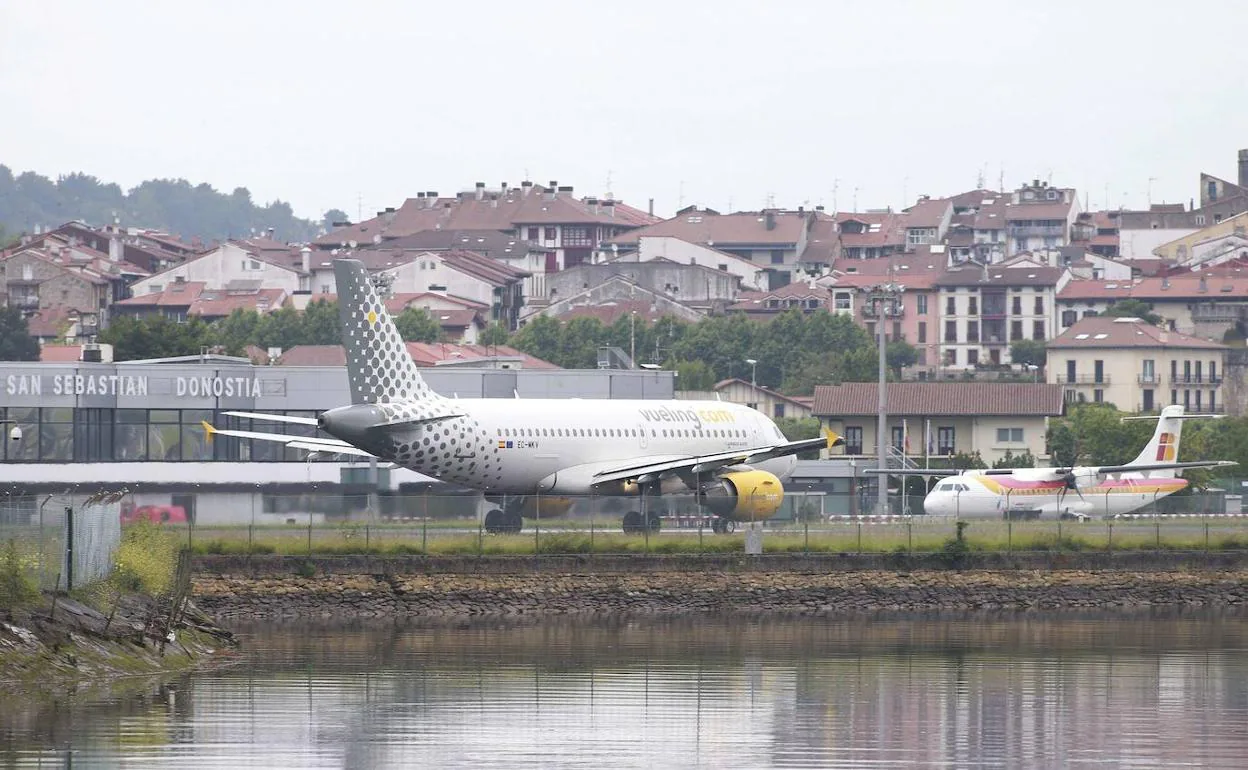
column 58, row 541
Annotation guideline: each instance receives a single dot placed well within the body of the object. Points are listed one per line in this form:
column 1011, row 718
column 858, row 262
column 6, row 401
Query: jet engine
column 744, row 495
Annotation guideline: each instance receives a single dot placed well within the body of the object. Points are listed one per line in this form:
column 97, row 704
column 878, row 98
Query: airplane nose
column 935, row 505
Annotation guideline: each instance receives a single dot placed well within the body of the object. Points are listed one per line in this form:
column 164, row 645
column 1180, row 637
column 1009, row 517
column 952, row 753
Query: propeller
column 1069, row 482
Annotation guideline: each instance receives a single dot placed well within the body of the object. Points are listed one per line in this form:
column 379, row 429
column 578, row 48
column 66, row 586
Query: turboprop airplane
column 1076, row 492
column 526, row 452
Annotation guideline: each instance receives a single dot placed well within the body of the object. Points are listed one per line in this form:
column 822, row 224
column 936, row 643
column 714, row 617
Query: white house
column 272, row 264
column 672, row 249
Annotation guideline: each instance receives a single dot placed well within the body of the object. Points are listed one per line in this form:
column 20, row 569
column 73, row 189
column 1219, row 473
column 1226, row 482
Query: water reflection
column 990, row 690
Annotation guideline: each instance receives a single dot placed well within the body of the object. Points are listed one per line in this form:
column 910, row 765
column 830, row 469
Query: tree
column 899, row 354
column 157, row 337
column 332, row 216
column 173, row 205
column 16, row 344
column 6, row 240
column 1134, row 308
column 1010, row 460
column 494, row 334
column 1094, row 434
column 415, row 325
column 694, row 375
column 800, row 429
column 1029, row 353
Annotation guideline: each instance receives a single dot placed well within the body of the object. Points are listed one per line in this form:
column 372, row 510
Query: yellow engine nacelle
column 550, row 507
column 745, row 495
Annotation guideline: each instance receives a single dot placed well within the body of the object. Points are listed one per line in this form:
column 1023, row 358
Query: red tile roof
column 974, row 275
column 940, row 399
column 423, row 353
column 610, row 311
column 928, row 213
column 1110, row 332
column 488, row 269
column 50, row 321
column 59, row 354
column 1032, row 211
column 725, row 230
column 1184, row 287
column 176, row 294
column 890, row 231
column 214, row 303
column 506, row 211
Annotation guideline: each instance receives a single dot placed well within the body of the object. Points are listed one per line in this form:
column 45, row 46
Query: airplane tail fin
column 379, row 367
column 1164, row 445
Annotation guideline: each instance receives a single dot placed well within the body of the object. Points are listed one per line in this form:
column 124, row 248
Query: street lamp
column 1035, row 370
column 883, row 302
column 753, row 371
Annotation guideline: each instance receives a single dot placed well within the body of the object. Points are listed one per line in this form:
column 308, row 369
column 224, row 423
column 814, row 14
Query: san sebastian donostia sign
column 203, row 386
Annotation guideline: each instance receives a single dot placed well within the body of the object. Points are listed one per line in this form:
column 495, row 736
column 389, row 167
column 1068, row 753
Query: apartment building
column 1136, row 366
column 983, row 309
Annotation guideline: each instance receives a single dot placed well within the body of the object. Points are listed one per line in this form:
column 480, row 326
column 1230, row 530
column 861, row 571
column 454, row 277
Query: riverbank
column 284, row 588
column 68, row 646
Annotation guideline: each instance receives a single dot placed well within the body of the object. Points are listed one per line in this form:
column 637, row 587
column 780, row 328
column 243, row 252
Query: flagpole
column 927, row 443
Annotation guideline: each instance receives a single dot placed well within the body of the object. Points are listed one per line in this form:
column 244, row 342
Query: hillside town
column 973, row 273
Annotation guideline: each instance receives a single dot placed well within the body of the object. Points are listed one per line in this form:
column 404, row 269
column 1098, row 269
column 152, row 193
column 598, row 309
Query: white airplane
column 519, row 452
column 1078, row 492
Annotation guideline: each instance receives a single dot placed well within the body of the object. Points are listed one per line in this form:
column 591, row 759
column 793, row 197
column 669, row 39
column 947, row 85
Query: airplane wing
column 937, row 471
column 274, row 418
column 651, row 470
column 306, row 443
column 1102, row 469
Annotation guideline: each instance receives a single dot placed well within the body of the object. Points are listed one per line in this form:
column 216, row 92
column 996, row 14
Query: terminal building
column 137, row 427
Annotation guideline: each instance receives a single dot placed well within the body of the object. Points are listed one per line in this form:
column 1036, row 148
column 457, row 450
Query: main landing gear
column 633, row 523
column 722, row 526
column 507, row 521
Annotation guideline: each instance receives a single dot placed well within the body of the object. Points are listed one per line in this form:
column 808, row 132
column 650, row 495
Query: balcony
column 1203, row 409
column 995, row 340
column 1036, row 231
column 1148, row 379
column 869, row 311
column 1181, row 380
column 1083, row 379
column 1219, row 312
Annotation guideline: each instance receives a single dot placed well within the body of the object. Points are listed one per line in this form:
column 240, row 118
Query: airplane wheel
column 514, row 522
column 494, row 522
column 717, row 525
column 730, row 526
column 632, row 523
column 654, row 522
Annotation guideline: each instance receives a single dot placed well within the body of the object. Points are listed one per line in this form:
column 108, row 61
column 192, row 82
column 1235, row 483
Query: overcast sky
column 362, row 104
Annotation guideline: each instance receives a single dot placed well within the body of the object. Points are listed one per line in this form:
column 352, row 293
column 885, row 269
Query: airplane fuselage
column 509, row 446
column 980, row 496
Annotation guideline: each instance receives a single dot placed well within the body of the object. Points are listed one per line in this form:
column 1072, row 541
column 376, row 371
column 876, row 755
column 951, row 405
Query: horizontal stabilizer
column 274, row 418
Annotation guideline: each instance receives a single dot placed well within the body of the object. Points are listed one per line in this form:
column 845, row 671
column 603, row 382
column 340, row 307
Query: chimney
column 1204, row 285
column 270, row 233
column 114, row 249
column 1243, row 168
column 388, row 214
column 503, row 187
column 480, row 191
column 608, row 207
column 550, row 191
column 651, row 209
column 769, row 216
column 567, row 188
column 493, row 200
column 525, row 188
column 305, row 259
column 1035, row 183
column 592, row 203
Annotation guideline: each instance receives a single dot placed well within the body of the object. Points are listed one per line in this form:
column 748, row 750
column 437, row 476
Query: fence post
column 367, row 538
column 69, row 548
column 1109, row 545
column 309, row 533
column 1206, row 518
column 860, row 538
column 1059, row 529
column 1009, row 532
column 1157, row 524
column 537, row 524
column 424, row 526
column 909, row 536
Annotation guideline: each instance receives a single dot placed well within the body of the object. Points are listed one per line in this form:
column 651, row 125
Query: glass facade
column 86, row 435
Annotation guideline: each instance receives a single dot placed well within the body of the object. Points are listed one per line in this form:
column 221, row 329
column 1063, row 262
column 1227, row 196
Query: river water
column 1124, row 690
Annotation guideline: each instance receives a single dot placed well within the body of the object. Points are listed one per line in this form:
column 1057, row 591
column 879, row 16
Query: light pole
column 753, row 371
column 883, row 303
